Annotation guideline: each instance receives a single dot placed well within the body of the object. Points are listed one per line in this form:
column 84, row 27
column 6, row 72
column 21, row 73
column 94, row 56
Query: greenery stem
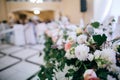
column 84, row 66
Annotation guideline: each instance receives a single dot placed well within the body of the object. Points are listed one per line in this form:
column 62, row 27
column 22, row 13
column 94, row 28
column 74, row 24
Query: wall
column 16, row 6
column 43, row 16
column 90, row 10
column 71, row 8
column 47, row 15
column 3, row 10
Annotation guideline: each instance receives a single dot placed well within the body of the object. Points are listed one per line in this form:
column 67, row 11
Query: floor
column 20, row 63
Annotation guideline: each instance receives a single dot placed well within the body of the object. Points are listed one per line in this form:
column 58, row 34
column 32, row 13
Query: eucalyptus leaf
column 95, row 24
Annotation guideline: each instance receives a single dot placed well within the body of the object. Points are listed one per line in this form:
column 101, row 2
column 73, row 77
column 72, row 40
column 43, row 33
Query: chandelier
column 36, row 1
column 36, row 11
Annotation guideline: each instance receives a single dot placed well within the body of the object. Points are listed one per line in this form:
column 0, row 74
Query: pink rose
column 68, row 46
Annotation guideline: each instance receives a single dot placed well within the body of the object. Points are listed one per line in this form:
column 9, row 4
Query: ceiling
column 32, row 0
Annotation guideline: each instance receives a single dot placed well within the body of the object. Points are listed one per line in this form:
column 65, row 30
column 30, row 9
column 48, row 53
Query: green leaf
column 71, row 61
column 77, row 62
column 70, row 73
column 118, row 48
column 102, row 73
column 99, row 39
column 71, row 70
column 95, row 24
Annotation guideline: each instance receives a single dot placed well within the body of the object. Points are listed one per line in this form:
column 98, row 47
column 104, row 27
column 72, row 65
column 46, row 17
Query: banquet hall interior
column 25, row 26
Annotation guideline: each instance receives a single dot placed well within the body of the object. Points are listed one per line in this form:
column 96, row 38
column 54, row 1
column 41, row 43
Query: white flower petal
column 81, row 52
column 90, row 57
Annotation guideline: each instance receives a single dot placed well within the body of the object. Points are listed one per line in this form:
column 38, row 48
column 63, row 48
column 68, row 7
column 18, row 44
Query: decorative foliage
column 78, row 52
column 95, row 24
column 99, row 39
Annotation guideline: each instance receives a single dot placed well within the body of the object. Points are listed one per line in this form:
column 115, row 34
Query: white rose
column 110, row 78
column 97, row 54
column 72, row 38
column 81, row 39
column 114, row 68
column 109, row 55
column 61, row 33
column 90, row 57
column 54, row 32
column 81, row 52
column 69, row 56
column 90, row 72
column 71, row 33
column 60, row 44
column 72, row 27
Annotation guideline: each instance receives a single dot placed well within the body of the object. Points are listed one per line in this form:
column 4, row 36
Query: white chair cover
column 40, row 30
column 3, row 27
column 30, row 36
column 19, row 38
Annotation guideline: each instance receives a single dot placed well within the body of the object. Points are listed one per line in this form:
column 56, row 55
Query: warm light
column 32, row 1
column 36, row 11
column 39, row 1
column 36, row 1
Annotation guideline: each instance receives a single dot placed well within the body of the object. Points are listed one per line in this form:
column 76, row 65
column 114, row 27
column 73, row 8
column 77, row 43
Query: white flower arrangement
column 69, row 55
column 81, row 52
column 90, row 57
column 82, row 39
column 84, row 47
column 110, row 78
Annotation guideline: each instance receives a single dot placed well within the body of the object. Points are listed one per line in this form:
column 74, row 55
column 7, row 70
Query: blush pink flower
column 68, row 46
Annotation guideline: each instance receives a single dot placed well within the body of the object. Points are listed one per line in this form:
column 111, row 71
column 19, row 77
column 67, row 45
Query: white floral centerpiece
column 82, row 49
